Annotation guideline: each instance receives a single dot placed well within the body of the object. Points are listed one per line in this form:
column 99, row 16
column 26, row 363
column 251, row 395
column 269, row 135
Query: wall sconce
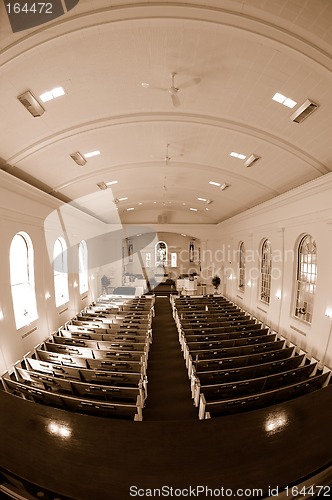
column 75, row 284
column 47, row 295
column 249, row 284
column 328, row 312
column 278, row 294
column 1, row 315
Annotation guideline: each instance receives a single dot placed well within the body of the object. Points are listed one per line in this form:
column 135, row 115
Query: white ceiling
column 230, row 57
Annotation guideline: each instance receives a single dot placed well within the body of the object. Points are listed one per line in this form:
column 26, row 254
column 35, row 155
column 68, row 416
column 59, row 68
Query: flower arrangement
column 216, row 281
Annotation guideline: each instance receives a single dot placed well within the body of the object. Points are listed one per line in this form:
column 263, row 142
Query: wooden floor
column 93, row 458
column 98, row 458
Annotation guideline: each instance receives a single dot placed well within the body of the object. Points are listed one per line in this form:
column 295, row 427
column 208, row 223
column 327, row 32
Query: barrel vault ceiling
column 115, row 59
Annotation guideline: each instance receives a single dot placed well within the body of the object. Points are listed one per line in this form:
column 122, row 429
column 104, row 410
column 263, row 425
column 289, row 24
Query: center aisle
column 169, row 396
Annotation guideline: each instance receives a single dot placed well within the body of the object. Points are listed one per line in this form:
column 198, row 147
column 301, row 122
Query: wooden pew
column 240, row 361
column 72, row 403
column 266, row 398
column 233, row 390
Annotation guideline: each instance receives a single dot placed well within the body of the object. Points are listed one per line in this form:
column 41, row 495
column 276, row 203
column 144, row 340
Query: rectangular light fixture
column 202, row 199
column 105, row 185
column 238, row 155
column 123, row 199
column 131, row 208
column 31, row 104
column 91, row 154
column 52, row 94
column 78, row 158
column 282, row 99
column 194, row 209
column 214, row 183
column 304, row 111
column 251, row 159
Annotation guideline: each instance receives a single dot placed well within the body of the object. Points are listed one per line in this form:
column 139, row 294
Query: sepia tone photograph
column 165, row 249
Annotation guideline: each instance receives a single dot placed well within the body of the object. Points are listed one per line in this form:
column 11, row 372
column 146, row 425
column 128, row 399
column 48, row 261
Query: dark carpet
column 169, row 395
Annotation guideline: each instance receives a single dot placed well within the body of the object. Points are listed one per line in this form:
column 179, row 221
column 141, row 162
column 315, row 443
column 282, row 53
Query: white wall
column 23, row 208
column 284, row 220
column 44, row 219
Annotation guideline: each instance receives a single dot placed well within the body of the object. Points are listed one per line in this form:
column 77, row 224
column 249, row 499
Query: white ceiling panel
column 229, row 58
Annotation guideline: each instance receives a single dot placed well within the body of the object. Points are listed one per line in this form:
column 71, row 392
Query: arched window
column 306, row 278
column 161, row 254
column 266, row 268
column 60, row 269
column 22, row 279
column 83, row 266
column 242, row 265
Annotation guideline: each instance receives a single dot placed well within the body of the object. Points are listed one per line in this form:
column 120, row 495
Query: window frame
column 265, row 272
column 306, row 279
column 160, row 262
column 23, row 293
column 242, row 266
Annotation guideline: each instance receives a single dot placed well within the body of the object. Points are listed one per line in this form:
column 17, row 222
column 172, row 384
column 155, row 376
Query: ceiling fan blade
column 175, row 100
column 190, row 83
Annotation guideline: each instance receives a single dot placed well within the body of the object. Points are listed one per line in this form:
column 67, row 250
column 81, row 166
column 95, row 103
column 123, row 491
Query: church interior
column 165, row 250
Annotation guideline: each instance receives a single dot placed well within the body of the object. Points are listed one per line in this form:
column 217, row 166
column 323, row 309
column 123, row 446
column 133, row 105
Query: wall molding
column 298, row 330
column 29, row 332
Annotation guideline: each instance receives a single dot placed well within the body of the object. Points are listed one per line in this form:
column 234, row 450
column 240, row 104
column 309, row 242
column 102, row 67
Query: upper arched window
column 22, row 279
column 60, row 269
column 266, row 269
column 83, row 266
column 242, row 265
column 161, row 251
column 306, row 278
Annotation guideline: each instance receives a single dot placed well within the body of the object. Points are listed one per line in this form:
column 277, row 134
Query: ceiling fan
column 174, row 92
column 173, row 89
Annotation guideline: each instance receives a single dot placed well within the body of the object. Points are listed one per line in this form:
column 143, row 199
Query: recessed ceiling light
column 145, row 85
column 202, row 199
column 289, row 103
column 238, row 155
column 123, row 199
column 194, row 209
column 92, row 153
column 52, row 94
column 131, row 208
column 282, row 99
column 279, row 97
column 140, row 203
column 154, row 202
column 214, row 183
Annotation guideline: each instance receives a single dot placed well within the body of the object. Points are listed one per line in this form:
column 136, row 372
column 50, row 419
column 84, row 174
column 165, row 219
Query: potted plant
column 216, row 282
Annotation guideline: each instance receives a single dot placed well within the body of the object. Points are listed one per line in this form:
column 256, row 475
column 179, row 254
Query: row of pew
column 95, row 364
column 235, row 363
